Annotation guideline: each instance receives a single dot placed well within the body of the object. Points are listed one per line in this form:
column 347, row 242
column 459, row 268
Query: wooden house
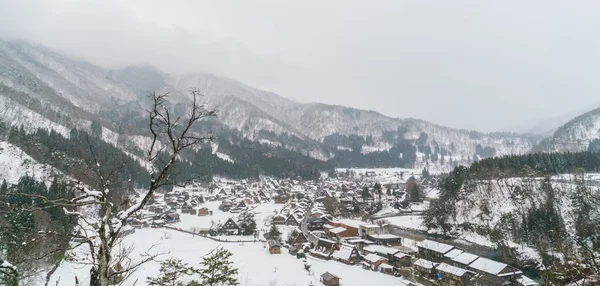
column 297, row 238
column 203, row 211
column 274, row 247
column 231, row 227
column 171, row 217
column 278, row 220
column 451, row 275
column 462, row 260
column 292, row 220
column 385, row 239
column 329, row 279
column 315, row 224
column 242, row 205
column 425, row 268
column 372, row 261
column 187, row 209
column 433, row 250
column 394, row 256
column 494, row 272
column 346, row 254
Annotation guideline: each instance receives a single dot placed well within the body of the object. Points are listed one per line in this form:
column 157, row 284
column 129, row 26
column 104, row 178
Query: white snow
column 224, row 157
column 488, row 265
column 436, row 246
column 407, row 221
column 14, row 164
column 451, row 269
column 256, row 265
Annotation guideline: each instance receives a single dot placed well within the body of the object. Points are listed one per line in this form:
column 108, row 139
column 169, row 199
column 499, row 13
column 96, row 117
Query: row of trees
column 536, row 164
column 33, row 231
column 216, row 269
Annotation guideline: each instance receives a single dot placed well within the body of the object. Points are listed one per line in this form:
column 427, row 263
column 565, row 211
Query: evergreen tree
column 248, row 226
column 173, row 272
column 218, row 269
column 274, row 233
column 96, row 129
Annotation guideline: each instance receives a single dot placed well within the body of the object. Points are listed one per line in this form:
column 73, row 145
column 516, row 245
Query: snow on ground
column 14, row 164
column 256, row 265
column 224, row 157
column 407, row 221
column 262, row 214
column 269, row 142
column 18, row 115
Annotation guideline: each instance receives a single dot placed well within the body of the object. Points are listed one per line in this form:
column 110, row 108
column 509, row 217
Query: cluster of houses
column 373, row 247
column 453, row 266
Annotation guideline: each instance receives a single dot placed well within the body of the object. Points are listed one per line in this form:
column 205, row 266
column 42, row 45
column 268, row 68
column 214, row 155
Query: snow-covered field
column 262, row 214
column 256, row 265
column 14, row 164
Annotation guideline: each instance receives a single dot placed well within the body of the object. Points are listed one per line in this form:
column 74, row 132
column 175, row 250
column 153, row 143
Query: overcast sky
column 483, row 65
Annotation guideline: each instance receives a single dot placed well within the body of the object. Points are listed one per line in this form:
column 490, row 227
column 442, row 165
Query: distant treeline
column 73, row 156
column 539, row 163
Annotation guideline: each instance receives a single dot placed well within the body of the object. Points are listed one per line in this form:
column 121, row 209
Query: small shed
column 203, row 211
column 329, row 279
column 274, row 247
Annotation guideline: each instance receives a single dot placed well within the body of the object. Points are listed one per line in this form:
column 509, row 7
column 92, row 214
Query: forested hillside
column 543, row 202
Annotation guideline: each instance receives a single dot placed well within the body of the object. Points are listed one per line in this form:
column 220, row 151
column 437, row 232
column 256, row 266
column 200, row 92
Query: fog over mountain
column 446, row 64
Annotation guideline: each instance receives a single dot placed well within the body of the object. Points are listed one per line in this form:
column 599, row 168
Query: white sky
column 481, row 65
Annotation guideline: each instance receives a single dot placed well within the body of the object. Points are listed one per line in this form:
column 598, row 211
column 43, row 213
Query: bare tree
column 170, row 136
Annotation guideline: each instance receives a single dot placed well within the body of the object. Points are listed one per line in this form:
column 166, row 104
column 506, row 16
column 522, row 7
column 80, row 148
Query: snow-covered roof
column 344, row 253
column 489, row 266
column 436, row 246
column 425, row 264
column 453, row 253
column 337, row 230
column 352, row 223
column 368, row 225
column 465, row 258
column 401, row 255
column 384, row 236
column 526, row 281
column 385, row 266
column 381, row 249
column 373, row 258
column 443, row 267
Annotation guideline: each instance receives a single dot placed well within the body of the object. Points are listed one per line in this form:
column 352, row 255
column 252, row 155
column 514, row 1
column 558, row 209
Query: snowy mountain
column 40, row 88
column 575, row 135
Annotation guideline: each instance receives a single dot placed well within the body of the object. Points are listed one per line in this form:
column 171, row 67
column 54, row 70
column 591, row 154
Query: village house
column 386, row 268
column 278, row 219
column 385, row 239
column 274, row 247
column 346, row 254
column 451, row 275
column 425, row 268
column 315, row 224
column 292, row 220
column 463, row 260
column 329, row 279
column 372, row 261
column 171, row 217
column 203, row 211
column 493, row 272
column 394, row 256
column 370, row 229
column 230, row 227
column 433, row 250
